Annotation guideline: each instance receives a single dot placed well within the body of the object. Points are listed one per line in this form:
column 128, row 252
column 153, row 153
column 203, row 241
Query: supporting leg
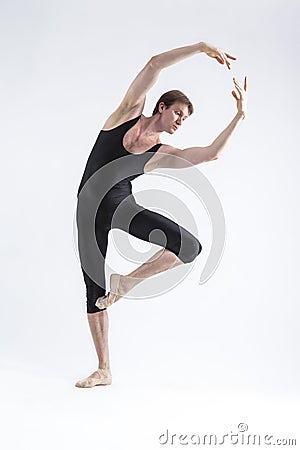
column 98, row 323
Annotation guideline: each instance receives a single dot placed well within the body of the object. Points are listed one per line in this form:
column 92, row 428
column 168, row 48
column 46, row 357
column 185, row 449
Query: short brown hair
column 171, row 97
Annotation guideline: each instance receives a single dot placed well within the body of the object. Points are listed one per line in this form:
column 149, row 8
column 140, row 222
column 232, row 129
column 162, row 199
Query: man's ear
column 161, row 106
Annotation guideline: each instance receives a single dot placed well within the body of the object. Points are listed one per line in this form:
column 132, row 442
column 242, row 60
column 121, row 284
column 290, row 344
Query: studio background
column 202, row 356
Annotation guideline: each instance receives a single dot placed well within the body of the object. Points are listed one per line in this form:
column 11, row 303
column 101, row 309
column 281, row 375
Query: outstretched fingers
column 237, row 86
column 222, row 58
column 240, row 94
column 219, row 54
column 230, row 56
column 226, row 56
column 227, row 63
column 235, row 95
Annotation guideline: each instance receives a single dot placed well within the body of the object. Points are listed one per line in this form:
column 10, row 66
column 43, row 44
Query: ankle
column 104, row 366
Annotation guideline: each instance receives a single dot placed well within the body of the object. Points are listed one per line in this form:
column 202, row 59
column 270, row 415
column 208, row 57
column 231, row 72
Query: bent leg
column 180, row 247
column 158, row 229
column 153, row 227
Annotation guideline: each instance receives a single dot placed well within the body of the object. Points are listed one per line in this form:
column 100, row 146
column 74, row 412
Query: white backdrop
column 230, row 354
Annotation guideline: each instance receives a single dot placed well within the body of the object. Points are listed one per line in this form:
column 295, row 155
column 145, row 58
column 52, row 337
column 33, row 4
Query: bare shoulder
column 121, row 115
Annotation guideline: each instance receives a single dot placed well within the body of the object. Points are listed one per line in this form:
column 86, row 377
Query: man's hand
column 217, row 53
column 241, row 96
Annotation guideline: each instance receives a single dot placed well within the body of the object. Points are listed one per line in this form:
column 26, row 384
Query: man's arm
column 136, row 93
column 197, row 155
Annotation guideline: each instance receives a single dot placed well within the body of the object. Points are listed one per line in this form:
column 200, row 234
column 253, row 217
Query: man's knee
column 190, row 250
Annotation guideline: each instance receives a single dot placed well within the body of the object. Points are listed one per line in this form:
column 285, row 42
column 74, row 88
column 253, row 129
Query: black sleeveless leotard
column 105, row 201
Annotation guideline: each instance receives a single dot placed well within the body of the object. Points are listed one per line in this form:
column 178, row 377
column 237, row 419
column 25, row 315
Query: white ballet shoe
column 104, row 379
column 107, row 300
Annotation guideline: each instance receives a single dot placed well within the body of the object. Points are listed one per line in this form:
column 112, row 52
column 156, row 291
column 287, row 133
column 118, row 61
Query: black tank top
column 108, row 147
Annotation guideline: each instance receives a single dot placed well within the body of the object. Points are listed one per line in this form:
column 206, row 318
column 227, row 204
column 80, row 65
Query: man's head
column 174, row 107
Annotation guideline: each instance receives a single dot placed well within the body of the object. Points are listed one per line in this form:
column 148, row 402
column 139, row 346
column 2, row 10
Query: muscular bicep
column 139, row 87
column 134, row 99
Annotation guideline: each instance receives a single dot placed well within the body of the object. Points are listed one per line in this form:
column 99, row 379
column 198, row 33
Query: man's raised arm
column 146, row 78
column 175, row 158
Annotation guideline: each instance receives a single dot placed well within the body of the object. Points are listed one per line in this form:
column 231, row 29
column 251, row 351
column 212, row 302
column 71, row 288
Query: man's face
column 173, row 117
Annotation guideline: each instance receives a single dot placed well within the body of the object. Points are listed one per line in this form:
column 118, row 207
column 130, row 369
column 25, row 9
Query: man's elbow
column 155, row 62
column 214, row 152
